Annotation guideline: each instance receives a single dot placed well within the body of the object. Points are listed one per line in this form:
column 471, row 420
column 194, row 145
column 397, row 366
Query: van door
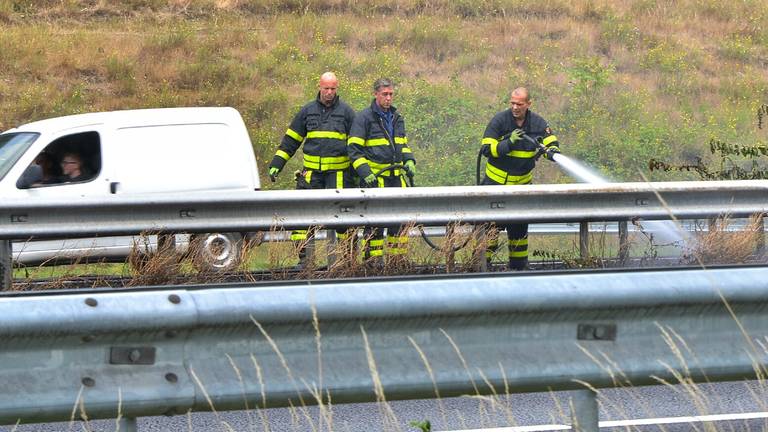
column 71, row 165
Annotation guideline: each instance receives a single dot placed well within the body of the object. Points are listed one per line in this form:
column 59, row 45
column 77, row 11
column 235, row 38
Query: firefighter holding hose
column 513, row 141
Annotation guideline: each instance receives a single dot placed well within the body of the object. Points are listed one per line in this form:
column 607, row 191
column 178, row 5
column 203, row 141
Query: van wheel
column 217, row 252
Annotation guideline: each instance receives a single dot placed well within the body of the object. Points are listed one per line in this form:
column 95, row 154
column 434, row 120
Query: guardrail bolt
column 88, row 381
column 87, row 338
column 134, row 355
column 171, row 378
column 173, row 298
column 92, row 302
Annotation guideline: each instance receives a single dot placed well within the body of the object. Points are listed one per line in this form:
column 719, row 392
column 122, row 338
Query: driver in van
column 40, row 172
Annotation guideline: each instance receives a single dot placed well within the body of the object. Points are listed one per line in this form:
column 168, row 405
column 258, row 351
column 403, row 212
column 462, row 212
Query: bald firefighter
column 322, row 126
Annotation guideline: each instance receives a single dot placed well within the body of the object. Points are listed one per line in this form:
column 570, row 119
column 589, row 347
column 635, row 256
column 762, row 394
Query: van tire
column 217, row 252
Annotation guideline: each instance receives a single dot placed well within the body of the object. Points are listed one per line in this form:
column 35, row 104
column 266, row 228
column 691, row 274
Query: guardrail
column 151, row 352
column 22, row 219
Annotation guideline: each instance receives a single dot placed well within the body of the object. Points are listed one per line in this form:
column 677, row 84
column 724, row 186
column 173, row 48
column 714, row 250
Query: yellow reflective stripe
column 518, row 254
column 291, row 133
column 308, row 176
column 501, row 176
column 378, row 166
column 356, row 140
column 518, row 242
column 406, row 150
column 380, row 181
column 549, row 140
column 376, row 252
column 299, row 235
column 378, row 242
column 327, row 134
column 326, row 163
column 334, row 166
column 522, row 154
column 490, row 141
column 340, row 179
column 359, row 162
column 396, row 251
column 401, row 140
column 396, row 239
column 376, row 142
column 495, row 149
column 282, row 154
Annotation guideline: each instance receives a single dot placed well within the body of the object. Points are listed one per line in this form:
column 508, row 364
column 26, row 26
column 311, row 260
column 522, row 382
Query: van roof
column 138, row 117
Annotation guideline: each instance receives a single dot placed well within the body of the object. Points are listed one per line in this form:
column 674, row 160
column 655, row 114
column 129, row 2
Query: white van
column 134, row 152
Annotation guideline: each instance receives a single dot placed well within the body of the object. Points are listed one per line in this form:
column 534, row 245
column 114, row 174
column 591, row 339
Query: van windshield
column 12, row 146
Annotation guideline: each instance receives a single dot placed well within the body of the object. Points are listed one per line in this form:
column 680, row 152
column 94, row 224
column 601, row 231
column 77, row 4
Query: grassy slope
column 621, row 82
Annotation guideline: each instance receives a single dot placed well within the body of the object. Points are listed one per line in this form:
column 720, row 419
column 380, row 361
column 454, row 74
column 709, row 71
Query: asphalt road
column 652, row 408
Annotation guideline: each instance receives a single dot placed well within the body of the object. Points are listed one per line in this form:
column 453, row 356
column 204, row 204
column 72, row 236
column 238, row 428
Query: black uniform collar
column 333, row 103
column 526, row 119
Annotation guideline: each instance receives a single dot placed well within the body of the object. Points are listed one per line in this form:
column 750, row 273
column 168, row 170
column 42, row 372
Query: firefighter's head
column 519, row 102
column 329, row 84
column 384, row 92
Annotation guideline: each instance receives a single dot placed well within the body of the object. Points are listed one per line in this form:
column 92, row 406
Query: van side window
column 72, row 158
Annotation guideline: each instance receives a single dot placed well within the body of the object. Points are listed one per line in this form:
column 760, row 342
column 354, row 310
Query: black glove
column 485, row 150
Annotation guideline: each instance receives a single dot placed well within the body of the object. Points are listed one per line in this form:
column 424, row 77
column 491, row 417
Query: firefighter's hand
column 274, row 171
column 551, row 151
column 485, row 150
column 410, row 168
column 516, row 135
column 370, row 180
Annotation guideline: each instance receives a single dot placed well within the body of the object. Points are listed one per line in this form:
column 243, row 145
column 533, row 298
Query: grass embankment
column 621, row 82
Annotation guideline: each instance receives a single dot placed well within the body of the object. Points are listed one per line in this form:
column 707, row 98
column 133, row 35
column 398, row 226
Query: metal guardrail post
column 760, row 248
column 482, row 248
column 584, row 240
column 6, row 266
column 584, row 414
column 331, row 246
column 623, row 242
column 127, row 424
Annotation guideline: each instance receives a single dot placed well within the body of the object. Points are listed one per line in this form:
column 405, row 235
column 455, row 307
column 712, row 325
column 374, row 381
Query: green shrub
column 667, row 57
column 614, row 29
column 589, row 74
column 736, row 47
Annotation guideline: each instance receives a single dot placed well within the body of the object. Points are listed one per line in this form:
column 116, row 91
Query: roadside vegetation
column 621, row 82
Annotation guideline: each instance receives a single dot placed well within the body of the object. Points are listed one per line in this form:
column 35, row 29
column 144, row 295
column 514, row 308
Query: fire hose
column 410, row 183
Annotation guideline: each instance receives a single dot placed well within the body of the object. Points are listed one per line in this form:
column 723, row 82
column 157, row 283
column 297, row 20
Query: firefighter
column 322, row 126
column 377, row 140
column 511, row 160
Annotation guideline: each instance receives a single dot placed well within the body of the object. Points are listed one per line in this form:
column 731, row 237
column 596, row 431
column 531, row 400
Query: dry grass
column 461, row 250
column 721, row 245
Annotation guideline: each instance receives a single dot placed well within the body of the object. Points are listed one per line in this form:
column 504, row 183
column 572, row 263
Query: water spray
column 665, row 231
